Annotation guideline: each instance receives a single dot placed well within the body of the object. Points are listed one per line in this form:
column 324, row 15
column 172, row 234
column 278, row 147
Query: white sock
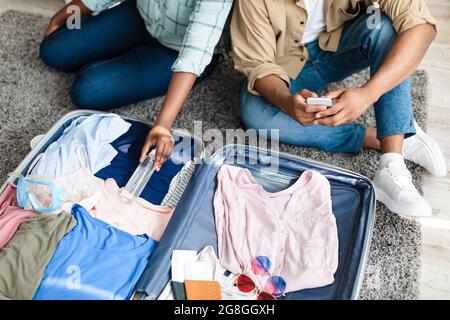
column 387, row 158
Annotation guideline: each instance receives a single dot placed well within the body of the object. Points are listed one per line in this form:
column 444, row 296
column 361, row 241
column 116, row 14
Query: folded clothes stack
column 65, row 232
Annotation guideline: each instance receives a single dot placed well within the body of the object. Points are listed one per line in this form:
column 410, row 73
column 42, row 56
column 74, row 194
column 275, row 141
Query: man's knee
column 386, row 30
column 382, row 34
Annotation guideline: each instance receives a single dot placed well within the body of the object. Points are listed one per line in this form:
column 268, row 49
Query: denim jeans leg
column 140, row 74
column 361, row 46
column 257, row 113
column 393, row 110
column 105, row 36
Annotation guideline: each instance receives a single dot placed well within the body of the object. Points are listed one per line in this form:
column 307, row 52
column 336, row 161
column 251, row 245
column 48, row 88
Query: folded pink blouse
column 136, row 217
column 11, row 216
column 295, row 228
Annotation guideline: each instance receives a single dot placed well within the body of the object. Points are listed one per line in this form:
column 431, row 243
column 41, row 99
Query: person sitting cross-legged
column 291, row 50
column 126, row 51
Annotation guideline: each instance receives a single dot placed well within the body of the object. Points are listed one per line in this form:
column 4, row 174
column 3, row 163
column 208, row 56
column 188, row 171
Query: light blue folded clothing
column 85, row 143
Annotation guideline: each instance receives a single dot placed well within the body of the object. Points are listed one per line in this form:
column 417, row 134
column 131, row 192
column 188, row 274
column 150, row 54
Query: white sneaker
column 423, row 150
column 394, row 188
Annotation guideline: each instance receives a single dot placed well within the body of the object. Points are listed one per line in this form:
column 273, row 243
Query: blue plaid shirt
column 192, row 27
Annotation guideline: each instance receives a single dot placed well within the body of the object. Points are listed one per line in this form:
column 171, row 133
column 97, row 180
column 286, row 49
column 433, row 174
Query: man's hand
column 298, row 108
column 351, row 104
column 161, row 138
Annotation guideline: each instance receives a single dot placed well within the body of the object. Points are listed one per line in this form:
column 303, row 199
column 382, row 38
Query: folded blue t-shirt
column 95, row 261
column 129, row 148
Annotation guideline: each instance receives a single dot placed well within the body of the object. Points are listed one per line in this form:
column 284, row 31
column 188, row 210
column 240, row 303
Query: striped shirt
column 192, row 27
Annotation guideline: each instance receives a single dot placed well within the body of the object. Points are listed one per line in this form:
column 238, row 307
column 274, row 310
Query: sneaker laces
column 401, row 175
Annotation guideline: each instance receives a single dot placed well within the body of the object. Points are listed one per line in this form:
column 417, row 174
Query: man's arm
column 254, row 43
column 404, row 57
column 254, row 46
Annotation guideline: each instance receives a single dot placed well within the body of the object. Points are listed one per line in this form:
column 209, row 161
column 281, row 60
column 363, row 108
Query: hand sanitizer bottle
column 139, row 179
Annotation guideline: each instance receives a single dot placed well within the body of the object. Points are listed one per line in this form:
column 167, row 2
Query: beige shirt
column 266, row 33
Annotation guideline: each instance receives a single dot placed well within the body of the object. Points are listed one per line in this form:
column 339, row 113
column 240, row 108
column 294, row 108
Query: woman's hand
column 62, row 15
column 161, row 138
column 55, row 23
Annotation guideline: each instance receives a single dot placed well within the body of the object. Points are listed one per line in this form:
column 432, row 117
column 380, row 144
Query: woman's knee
column 51, row 53
column 88, row 90
column 80, row 96
column 46, row 53
column 82, row 93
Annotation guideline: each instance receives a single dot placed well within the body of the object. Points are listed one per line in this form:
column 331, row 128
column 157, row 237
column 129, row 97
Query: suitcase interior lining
column 193, row 226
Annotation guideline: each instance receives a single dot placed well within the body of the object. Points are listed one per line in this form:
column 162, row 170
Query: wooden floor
column 435, row 275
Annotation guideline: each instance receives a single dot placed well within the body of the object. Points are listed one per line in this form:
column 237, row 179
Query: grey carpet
column 33, row 97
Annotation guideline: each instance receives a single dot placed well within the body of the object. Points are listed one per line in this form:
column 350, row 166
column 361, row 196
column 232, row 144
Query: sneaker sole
column 434, row 150
column 384, row 198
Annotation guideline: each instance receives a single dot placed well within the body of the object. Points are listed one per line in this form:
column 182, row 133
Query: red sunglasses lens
column 265, row 296
column 245, row 284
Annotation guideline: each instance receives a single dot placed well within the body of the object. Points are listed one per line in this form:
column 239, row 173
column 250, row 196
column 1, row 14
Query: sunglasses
column 274, row 288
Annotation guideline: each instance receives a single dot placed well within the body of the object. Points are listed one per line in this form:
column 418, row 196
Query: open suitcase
column 192, row 226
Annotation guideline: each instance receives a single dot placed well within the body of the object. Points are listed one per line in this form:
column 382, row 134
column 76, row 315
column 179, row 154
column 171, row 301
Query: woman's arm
column 160, row 136
column 201, row 38
column 62, row 15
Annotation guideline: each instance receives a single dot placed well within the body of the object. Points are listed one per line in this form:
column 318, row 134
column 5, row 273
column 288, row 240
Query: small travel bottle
column 139, row 179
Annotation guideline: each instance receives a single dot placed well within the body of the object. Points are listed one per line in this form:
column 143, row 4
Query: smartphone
column 328, row 102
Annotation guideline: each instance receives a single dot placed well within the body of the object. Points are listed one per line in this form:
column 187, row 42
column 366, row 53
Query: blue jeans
column 117, row 61
column 359, row 48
